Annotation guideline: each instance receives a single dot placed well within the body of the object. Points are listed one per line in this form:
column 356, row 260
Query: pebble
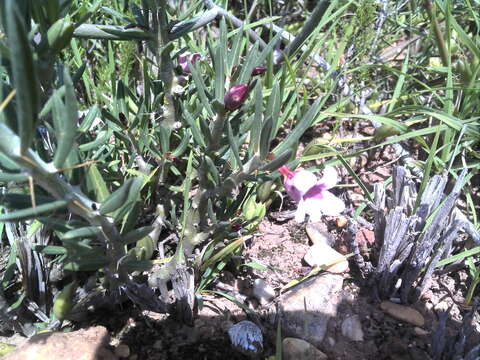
column 122, row 351
column 92, row 342
column 295, row 349
column 158, row 345
column 317, row 233
column 262, row 291
column 403, row 313
column 420, row 332
column 341, row 221
column 331, row 341
column 246, row 337
column 352, row 328
column 321, row 254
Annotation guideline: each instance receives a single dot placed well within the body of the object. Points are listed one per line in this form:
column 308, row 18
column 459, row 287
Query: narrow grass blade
column 34, row 212
column 24, row 74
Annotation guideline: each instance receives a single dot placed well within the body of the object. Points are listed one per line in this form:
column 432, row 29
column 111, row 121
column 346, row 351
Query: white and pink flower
column 311, row 194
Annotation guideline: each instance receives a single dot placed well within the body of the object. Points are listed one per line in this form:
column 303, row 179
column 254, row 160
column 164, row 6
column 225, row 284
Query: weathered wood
column 410, row 238
column 183, row 288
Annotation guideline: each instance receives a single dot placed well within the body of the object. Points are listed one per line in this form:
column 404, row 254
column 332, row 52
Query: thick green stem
column 111, row 32
column 164, row 59
column 309, row 26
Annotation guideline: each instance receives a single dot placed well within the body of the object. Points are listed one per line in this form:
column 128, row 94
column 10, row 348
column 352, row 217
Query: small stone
column 352, row 328
column 331, row 341
column 317, row 233
column 403, row 313
column 158, row 345
column 92, row 342
column 122, row 351
column 262, row 291
column 295, row 349
column 341, row 221
column 322, row 254
column 365, row 238
column 246, row 337
column 419, row 331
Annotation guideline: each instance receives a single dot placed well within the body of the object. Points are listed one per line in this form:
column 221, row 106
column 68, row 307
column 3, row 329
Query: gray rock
column 298, row 349
column 262, row 291
column 403, row 313
column 307, row 308
column 352, row 328
column 122, row 351
column 317, row 233
column 323, row 255
column 246, row 337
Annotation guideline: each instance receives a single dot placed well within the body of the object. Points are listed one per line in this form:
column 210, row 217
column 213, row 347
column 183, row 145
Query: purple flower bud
column 236, row 96
column 259, row 70
column 184, row 59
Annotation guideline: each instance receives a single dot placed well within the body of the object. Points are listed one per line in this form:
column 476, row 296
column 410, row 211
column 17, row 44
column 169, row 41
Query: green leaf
column 427, row 170
column 24, row 74
column 50, row 249
column 352, row 173
column 84, row 232
column 136, row 235
column 201, row 88
column 65, row 129
column 9, row 142
column 219, row 73
column 279, row 161
column 101, row 138
column 88, row 120
column 224, row 252
column 257, row 266
column 16, row 178
column 137, row 265
column 234, row 145
column 459, row 256
column 212, row 170
column 90, row 263
column 307, row 120
column 265, row 137
column 196, row 132
column 34, row 212
column 256, row 130
column 23, row 201
column 10, row 267
column 96, row 184
column 132, row 198
column 116, row 200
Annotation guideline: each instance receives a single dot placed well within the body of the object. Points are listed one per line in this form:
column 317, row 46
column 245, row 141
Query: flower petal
column 330, row 177
column 304, row 181
column 301, row 212
column 329, row 205
column 315, row 191
column 292, row 190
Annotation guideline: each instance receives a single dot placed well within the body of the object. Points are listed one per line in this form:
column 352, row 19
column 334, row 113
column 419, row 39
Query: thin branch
column 235, row 21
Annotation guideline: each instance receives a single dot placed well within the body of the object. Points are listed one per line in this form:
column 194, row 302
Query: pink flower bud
column 259, row 70
column 236, row 96
column 185, row 58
